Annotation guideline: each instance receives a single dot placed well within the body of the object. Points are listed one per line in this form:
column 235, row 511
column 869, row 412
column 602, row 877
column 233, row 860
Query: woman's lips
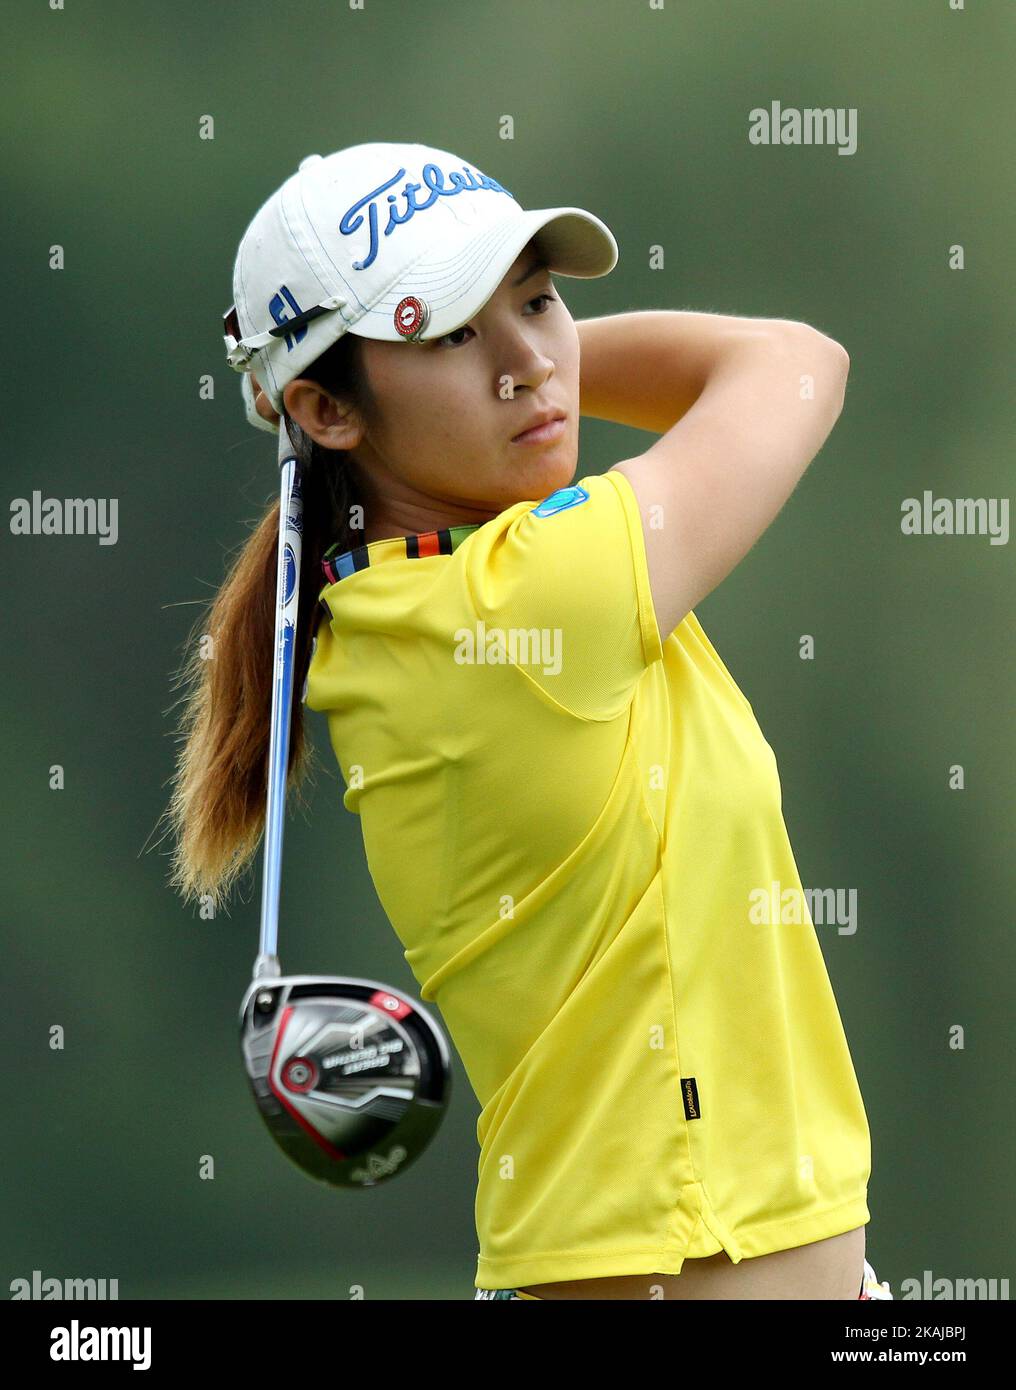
column 542, row 434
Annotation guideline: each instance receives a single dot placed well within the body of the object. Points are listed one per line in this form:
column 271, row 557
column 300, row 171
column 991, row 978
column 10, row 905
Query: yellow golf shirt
column 571, row 825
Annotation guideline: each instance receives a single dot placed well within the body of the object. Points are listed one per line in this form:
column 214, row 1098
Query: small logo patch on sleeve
column 561, row 500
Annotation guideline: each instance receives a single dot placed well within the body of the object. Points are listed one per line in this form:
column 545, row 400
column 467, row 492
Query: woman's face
column 440, row 449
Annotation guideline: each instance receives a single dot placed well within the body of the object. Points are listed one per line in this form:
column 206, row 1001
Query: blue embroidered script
column 434, row 179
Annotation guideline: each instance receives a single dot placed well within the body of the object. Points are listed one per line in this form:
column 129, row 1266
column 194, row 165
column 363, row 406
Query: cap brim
column 455, row 282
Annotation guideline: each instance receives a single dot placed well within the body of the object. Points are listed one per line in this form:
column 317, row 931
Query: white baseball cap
column 398, row 242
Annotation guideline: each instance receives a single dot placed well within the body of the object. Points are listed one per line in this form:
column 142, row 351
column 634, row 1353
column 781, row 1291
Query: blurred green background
column 641, row 116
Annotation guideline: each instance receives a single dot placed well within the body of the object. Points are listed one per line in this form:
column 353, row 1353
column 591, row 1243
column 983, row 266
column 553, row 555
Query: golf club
column 351, row 1077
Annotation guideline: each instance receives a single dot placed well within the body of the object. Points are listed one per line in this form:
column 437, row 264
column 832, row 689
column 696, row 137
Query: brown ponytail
column 217, row 809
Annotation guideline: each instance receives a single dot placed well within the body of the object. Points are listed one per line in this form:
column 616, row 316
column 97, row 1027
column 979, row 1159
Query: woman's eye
column 548, row 297
column 465, row 329
column 450, row 335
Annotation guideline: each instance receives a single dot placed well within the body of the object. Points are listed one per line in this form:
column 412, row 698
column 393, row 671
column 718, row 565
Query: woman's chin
column 542, row 477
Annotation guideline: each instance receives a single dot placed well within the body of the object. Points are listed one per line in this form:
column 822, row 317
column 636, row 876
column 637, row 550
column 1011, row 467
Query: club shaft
column 286, row 610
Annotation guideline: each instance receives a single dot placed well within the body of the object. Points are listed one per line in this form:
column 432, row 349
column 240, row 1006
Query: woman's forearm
column 648, row 367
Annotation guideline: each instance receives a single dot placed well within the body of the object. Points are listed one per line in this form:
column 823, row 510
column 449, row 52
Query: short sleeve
column 567, row 583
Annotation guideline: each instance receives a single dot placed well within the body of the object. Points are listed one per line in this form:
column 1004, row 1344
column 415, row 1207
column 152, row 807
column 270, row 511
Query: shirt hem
column 558, row 1266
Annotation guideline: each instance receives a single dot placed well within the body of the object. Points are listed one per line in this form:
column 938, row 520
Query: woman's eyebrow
column 533, row 270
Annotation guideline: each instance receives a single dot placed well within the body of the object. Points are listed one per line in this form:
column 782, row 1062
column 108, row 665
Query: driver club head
column 351, row 1077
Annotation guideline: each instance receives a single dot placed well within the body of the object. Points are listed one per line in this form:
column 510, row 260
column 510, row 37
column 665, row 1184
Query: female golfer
column 570, row 814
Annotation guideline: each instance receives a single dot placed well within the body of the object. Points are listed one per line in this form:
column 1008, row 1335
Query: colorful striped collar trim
column 417, row 546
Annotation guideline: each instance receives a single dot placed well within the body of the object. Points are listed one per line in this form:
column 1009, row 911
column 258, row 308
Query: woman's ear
column 332, row 423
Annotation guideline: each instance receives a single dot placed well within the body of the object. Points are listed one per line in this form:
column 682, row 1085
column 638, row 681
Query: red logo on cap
column 410, row 316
